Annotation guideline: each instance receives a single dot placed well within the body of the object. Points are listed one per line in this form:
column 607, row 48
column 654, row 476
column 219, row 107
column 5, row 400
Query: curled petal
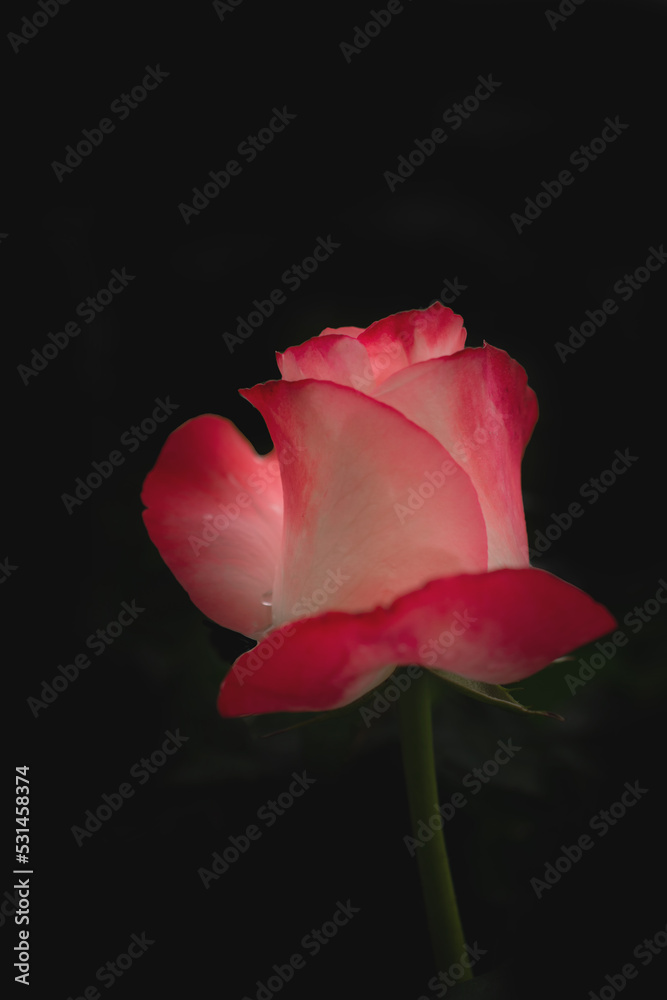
column 214, row 512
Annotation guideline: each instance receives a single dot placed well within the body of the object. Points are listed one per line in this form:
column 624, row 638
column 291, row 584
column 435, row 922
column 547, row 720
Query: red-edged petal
column 363, row 359
column 478, row 405
column 332, row 358
column 409, row 337
column 214, row 511
column 350, row 463
column 510, row 624
column 347, row 331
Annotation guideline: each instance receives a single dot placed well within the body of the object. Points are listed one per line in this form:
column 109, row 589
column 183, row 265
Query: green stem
column 436, row 878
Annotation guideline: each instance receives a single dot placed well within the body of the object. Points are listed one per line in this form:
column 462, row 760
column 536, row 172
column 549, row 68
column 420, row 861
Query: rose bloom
column 385, row 529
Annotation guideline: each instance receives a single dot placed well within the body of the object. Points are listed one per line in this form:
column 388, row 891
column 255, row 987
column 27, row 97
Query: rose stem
column 416, row 728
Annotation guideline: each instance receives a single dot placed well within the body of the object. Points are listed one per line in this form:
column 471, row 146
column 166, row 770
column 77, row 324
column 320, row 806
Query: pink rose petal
column 215, row 514
column 352, row 463
column 478, row 405
column 495, row 627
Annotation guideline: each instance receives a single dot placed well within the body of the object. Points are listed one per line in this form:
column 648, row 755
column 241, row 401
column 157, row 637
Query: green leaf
column 492, row 694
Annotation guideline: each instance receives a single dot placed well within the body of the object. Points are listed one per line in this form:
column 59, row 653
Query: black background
column 323, row 175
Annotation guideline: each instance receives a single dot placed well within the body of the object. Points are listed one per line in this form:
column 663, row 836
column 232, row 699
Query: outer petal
column 478, row 405
column 351, row 463
column 363, row 359
column 495, row 627
column 215, row 515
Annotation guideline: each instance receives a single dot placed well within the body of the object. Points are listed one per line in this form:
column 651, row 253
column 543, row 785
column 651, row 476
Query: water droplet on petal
column 267, row 599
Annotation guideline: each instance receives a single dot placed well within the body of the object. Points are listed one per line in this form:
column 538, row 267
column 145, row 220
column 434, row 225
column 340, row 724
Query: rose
column 386, row 529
